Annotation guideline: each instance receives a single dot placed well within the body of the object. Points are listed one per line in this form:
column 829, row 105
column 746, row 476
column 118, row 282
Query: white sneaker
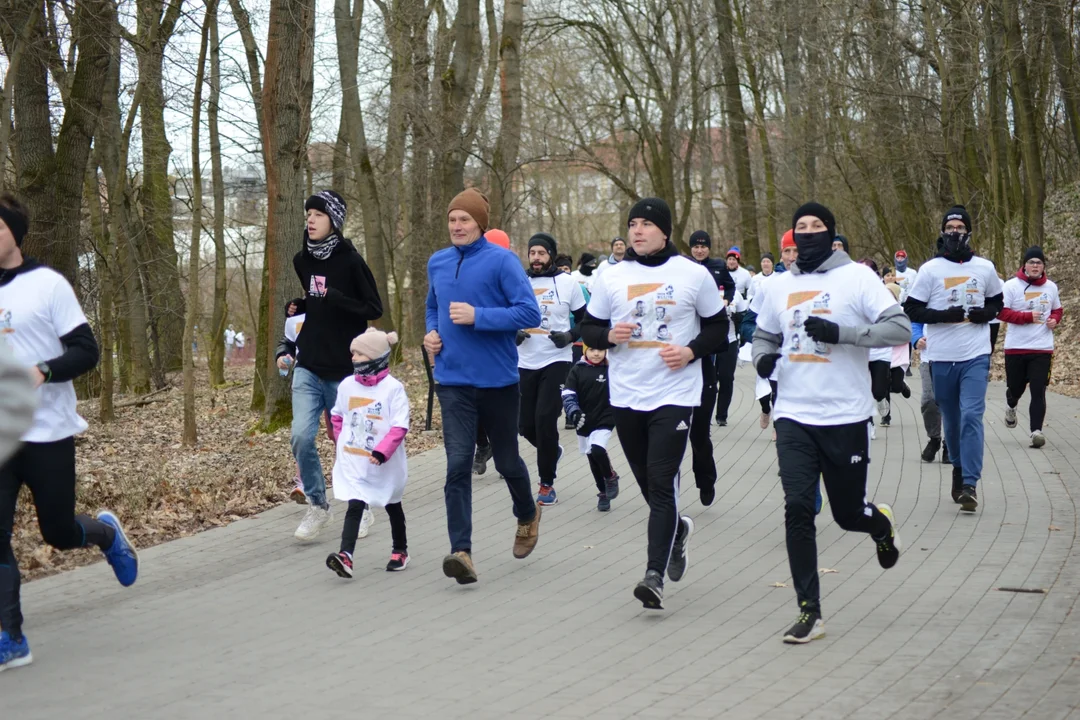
column 883, row 407
column 873, row 432
column 1010, row 417
column 1037, row 439
column 365, row 523
column 315, row 519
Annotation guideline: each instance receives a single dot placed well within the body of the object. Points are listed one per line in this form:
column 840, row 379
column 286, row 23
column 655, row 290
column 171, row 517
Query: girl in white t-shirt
column 371, row 419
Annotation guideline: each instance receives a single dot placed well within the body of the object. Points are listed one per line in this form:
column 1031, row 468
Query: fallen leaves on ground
column 161, row 490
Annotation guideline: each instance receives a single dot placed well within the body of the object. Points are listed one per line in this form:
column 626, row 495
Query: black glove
column 521, row 337
column 561, row 339
column 573, row 416
column 822, row 330
column 767, row 364
column 954, row 314
column 981, row 315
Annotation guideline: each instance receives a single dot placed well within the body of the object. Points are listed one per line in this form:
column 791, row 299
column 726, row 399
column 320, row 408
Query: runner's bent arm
column 80, row 356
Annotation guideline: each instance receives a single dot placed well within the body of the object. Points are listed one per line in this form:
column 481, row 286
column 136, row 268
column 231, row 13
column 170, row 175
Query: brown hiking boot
column 459, row 566
column 527, row 535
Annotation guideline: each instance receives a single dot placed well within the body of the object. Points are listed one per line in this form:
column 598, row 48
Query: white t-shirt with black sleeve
column 942, row 284
column 1022, row 296
column 557, row 297
column 666, row 304
column 820, row 383
column 742, row 278
column 37, row 308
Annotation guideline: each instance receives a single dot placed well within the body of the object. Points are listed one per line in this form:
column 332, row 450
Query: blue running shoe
column 546, row 496
column 818, row 501
column 14, row 654
column 122, row 555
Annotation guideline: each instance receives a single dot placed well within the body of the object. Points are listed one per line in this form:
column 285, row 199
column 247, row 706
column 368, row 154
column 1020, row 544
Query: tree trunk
column 740, row 146
column 504, row 159
column 105, row 274
column 1064, row 61
column 424, row 239
column 190, row 434
column 216, row 339
column 286, row 123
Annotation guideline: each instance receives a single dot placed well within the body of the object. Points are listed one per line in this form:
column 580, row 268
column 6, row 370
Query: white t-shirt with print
column 666, row 303
column 819, row 383
column 557, row 296
column 756, row 282
column 742, row 278
column 293, row 325
column 738, row 304
column 942, row 284
column 367, row 414
column 37, row 308
column 1025, row 297
column 905, row 280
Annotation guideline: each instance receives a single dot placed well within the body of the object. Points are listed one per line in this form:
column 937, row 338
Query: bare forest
column 165, row 147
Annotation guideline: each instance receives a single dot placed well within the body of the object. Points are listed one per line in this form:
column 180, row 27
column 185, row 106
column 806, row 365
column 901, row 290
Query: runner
column 955, row 295
column 230, row 340
column 739, row 274
column 618, row 252
column 813, row 328
column 588, row 406
column 767, row 270
column 904, row 276
column 45, row 329
column 1033, row 311
column 544, row 358
column 584, row 276
column 478, row 298
column 483, row 446
column 719, row 368
column 927, row 404
column 653, row 387
column 341, row 297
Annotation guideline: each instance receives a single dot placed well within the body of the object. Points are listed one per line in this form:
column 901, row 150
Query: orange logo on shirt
column 807, row 357
column 1033, row 295
column 635, row 291
column 798, row 298
column 539, row 291
column 359, row 402
column 952, row 282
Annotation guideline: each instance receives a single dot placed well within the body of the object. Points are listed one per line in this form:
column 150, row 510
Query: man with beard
column 545, row 357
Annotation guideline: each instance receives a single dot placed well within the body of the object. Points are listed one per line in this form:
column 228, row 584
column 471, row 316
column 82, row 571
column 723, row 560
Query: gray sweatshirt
column 890, row 329
column 17, row 402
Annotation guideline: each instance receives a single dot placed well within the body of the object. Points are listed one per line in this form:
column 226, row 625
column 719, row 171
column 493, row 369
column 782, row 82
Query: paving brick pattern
column 244, row 622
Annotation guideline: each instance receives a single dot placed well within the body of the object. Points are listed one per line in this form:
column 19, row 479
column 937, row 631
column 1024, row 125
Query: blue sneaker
column 122, row 555
column 546, row 496
column 818, row 501
column 14, row 654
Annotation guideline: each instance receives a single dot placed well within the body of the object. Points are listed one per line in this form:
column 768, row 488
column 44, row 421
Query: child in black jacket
column 588, row 407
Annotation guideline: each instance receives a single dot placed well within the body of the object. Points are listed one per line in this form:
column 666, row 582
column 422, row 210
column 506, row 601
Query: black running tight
column 352, row 526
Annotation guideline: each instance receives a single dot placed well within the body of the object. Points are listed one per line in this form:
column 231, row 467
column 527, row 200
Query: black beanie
column 329, row 203
column 700, row 237
column 655, row 211
column 545, row 241
column 1034, row 253
column 957, row 212
column 844, row 242
column 585, row 259
column 769, row 256
column 15, row 217
column 819, row 211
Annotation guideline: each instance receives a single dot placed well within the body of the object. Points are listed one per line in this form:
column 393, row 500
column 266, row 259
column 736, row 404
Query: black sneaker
column 611, row 485
column 603, row 503
column 945, row 459
column 957, row 484
column 650, row 591
column 905, row 391
column 888, row 548
column 969, row 499
column 708, row 494
column 887, row 420
column 568, row 425
column 680, row 550
column 721, row 422
column 808, row 627
column 480, row 459
column 930, row 451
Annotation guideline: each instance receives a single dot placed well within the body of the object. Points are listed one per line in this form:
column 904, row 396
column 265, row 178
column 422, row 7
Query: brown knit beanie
column 473, row 202
column 373, row 343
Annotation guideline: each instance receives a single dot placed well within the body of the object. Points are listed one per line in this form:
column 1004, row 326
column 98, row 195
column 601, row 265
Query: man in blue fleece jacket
column 478, row 298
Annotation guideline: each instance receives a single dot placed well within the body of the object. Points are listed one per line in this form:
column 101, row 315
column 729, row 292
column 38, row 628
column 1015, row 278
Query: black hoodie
column 341, row 298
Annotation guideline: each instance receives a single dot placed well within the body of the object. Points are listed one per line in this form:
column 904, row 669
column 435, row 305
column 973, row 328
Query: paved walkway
column 244, row 622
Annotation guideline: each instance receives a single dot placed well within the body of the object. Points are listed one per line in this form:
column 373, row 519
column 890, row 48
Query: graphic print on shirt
column 652, row 304
column 5, row 323
column 801, row 347
column 363, row 414
column 964, row 290
column 317, row 285
column 546, row 298
column 1037, row 301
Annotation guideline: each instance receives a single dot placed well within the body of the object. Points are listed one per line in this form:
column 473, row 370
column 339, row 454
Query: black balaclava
column 586, row 264
column 816, row 247
column 548, row 243
column 956, row 246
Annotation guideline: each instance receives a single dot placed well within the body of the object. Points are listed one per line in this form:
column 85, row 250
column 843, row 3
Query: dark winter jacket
column 341, row 297
column 586, row 389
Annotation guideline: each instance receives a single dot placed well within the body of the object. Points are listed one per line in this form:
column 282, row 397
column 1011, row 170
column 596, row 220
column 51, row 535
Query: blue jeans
column 311, row 396
column 497, row 409
column 960, row 391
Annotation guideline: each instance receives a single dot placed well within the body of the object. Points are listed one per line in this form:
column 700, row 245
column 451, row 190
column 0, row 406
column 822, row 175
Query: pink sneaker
column 297, row 494
column 398, row 561
column 340, row 563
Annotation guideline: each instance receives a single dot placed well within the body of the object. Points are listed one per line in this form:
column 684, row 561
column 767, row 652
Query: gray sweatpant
column 931, row 416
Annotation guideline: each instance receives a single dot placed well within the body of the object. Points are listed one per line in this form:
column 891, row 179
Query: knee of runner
column 61, row 536
column 799, row 507
column 846, row 521
column 596, row 450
